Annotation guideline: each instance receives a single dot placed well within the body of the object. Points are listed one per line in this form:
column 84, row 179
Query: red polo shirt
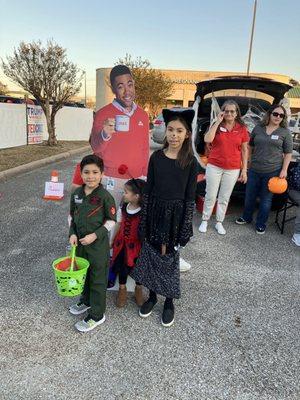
column 226, row 147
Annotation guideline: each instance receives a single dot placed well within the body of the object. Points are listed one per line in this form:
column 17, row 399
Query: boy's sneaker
column 89, row 323
column 241, row 221
column 220, row 228
column 79, row 308
column 147, row 308
column 260, row 231
column 203, row 227
column 167, row 318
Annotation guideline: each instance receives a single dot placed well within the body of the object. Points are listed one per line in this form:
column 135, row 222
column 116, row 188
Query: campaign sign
column 35, row 124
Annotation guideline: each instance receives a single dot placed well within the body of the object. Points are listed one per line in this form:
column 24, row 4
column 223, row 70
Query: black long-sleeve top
column 168, row 181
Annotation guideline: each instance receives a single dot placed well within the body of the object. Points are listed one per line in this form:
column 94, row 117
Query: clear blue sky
column 172, row 34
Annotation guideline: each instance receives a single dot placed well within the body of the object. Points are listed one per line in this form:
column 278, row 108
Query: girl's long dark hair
column 185, row 155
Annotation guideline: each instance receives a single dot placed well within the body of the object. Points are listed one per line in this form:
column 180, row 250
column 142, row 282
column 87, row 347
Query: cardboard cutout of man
column 120, row 135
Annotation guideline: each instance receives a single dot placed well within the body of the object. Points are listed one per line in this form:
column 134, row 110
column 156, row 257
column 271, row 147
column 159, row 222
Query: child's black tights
column 168, row 301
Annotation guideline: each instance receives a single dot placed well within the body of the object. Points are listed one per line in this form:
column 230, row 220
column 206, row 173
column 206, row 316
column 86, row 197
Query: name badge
column 110, row 184
column 274, row 137
column 77, row 200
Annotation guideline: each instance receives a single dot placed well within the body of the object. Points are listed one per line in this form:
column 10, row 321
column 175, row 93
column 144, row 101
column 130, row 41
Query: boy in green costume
column 93, row 213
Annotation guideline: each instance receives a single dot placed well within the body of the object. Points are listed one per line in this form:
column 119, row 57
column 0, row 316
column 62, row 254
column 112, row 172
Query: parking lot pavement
column 236, row 333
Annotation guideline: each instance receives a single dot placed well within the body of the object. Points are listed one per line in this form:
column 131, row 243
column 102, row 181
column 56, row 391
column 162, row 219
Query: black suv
column 255, row 85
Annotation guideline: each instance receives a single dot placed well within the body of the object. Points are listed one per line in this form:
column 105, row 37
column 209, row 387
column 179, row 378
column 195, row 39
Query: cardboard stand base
column 53, row 198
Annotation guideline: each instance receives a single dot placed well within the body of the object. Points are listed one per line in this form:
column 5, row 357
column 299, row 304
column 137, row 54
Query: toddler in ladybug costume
column 126, row 244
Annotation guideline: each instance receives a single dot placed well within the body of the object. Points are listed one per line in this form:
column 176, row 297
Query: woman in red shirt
column 227, row 162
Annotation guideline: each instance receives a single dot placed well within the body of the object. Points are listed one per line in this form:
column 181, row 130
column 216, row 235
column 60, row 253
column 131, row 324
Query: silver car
column 159, row 129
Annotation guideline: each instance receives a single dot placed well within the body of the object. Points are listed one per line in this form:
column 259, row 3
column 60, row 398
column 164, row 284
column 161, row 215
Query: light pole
column 251, row 39
column 84, row 87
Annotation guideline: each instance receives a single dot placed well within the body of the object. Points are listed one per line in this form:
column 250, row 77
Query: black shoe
column 241, row 221
column 260, row 231
column 147, row 308
column 167, row 318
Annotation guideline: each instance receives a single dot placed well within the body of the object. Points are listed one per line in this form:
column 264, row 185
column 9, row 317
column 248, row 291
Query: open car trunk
column 258, row 106
column 267, row 86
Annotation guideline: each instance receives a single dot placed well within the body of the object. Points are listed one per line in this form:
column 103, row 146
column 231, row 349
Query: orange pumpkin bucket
column 277, row 185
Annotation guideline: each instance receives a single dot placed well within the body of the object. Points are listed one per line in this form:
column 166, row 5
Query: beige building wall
column 184, row 85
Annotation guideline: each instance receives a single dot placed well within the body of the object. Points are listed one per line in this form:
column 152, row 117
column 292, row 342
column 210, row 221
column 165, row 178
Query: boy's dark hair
column 92, row 159
column 117, row 71
column 137, row 186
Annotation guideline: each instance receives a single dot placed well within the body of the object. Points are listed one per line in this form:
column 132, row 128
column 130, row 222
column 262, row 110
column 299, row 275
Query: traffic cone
column 54, row 190
column 54, row 176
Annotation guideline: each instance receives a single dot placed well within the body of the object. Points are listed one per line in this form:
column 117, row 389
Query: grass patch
column 15, row 156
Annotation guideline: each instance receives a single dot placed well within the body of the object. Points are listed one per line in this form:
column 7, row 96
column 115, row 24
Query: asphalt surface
column 236, row 333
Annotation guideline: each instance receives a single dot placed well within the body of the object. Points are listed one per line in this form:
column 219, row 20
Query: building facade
column 185, row 86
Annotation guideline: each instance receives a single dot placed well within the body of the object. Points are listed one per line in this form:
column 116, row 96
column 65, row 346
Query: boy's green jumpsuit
column 89, row 213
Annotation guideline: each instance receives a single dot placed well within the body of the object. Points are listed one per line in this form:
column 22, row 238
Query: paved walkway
column 236, row 334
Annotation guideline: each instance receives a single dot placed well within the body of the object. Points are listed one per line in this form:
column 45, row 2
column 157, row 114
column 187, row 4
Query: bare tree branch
column 46, row 73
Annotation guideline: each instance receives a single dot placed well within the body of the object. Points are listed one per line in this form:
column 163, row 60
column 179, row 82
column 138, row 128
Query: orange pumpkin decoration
column 277, row 185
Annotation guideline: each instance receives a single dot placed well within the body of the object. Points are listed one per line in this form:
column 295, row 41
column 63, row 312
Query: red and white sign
column 35, row 124
column 54, row 191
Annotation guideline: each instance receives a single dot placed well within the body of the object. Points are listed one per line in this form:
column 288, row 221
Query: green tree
column 153, row 88
column 46, row 73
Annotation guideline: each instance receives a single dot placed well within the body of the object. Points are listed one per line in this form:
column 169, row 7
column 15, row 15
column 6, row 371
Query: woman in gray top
column 272, row 145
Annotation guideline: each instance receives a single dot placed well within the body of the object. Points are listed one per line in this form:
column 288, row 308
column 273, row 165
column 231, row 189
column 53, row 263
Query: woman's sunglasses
column 276, row 114
column 229, row 111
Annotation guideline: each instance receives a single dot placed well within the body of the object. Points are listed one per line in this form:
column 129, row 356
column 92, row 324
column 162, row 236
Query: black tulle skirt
column 158, row 272
column 164, row 219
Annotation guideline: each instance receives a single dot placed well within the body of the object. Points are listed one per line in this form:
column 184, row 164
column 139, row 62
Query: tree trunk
column 52, row 136
column 50, row 118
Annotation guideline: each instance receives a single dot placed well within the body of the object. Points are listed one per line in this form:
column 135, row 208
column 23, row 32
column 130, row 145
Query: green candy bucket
column 70, row 282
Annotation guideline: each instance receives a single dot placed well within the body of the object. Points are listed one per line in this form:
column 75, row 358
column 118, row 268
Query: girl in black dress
column 167, row 213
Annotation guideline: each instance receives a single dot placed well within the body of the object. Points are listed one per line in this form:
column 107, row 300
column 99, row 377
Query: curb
column 9, row 173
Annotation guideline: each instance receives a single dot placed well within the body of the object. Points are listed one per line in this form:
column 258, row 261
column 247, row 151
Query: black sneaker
column 167, row 318
column 260, row 231
column 147, row 308
column 241, row 221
